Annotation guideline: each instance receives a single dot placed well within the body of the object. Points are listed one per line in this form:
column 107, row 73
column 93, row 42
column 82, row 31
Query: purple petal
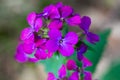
column 62, row 71
column 74, row 21
column 86, row 62
column 40, row 42
column 33, row 60
column 51, row 11
column 50, row 54
column 74, row 76
column 38, row 24
column 92, row 38
column 52, row 45
column 87, row 75
column 28, row 48
column 55, row 24
column 31, row 18
column 40, row 54
column 71, row 38
column 27, row 35
column 66, row 49
column 66, row 11
column 59, row 5
column 71, row 65
column 20, row 56
column 55, row 34
column 80, row 51
column 51, row 76
column 85, row 23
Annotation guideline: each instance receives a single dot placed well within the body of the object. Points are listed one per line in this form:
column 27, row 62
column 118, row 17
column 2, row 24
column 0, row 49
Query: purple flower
column 86, row 62
column 61, row 73
column 74, row 76
column 71, row 65
column 80, row 51
column 27, row 34
column 87, row 75
column 85, row 25
column 64, row 45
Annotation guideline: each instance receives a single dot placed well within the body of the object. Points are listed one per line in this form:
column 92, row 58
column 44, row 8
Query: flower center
column 60, row 41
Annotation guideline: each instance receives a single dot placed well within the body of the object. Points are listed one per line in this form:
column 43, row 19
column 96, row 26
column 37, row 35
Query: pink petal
column 71, row 65
column 55, row 24
column 40, row 42
column 62, row 71
column 87, row 75
column 86, row 62
column 66, row 11
column 20, row 56
column 71, row 38
column 33, row 60
column 51, row 76
column 38, row 24
column 31, row 18
column 40, row 54
column 50, row 54
column 74, row 76
column 52, row 45
column 66, row 49
column 59, row 5
column 27, row 35
column 74, row 21
column 54, row 34
column 28, row 48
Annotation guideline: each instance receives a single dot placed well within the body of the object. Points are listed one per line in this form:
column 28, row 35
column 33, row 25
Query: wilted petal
column 52, row 45
column 74, row 76
column 38, row 24
column 62, row 71
column 87, row 75
column 92, row 38
column 55, row 34
column 86, row 62
column 55, row 24
column 27, row 35
column 74, row 21
column 31, row 18
column 85, row 23
column 66, row 11
column 66, row 49
column 71, row 65
column 20, row 56
column 51, row 76
column 28, row 48
column 40, row 54
column 71, row 38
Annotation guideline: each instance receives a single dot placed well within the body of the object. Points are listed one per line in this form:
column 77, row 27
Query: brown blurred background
column 104, row 13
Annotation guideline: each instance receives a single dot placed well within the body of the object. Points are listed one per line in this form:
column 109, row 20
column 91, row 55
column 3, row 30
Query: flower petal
column 86, row 62
column 92, row 38
column 28, row 48
column 59, row 5
column 38, row 24
column 66, row 11
column 52, row 45
column 55, row 34
column 74, row 76
column 74, row 21
column 33, row 60
column 20, row 56
column 27, row 35
column 40, row 54
column 31, row 18
column 85, row 23
column 55, row 24
column 51, row 76
column 66, row 49
column 87, row 75
column 71, row 38
column 40, row 42
column 71, row 64
column 62, row 71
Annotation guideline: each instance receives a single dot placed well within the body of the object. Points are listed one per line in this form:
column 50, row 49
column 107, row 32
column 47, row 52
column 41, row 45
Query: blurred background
column 105, row 15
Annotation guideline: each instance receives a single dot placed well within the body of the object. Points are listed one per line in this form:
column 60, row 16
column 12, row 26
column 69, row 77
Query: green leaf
column 95, row 51
column 53, row 64
column 65, row 29
column 113, row 72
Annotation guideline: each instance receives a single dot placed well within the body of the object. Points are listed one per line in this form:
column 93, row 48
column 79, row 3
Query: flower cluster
column 45, row 36
column 76, row 71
